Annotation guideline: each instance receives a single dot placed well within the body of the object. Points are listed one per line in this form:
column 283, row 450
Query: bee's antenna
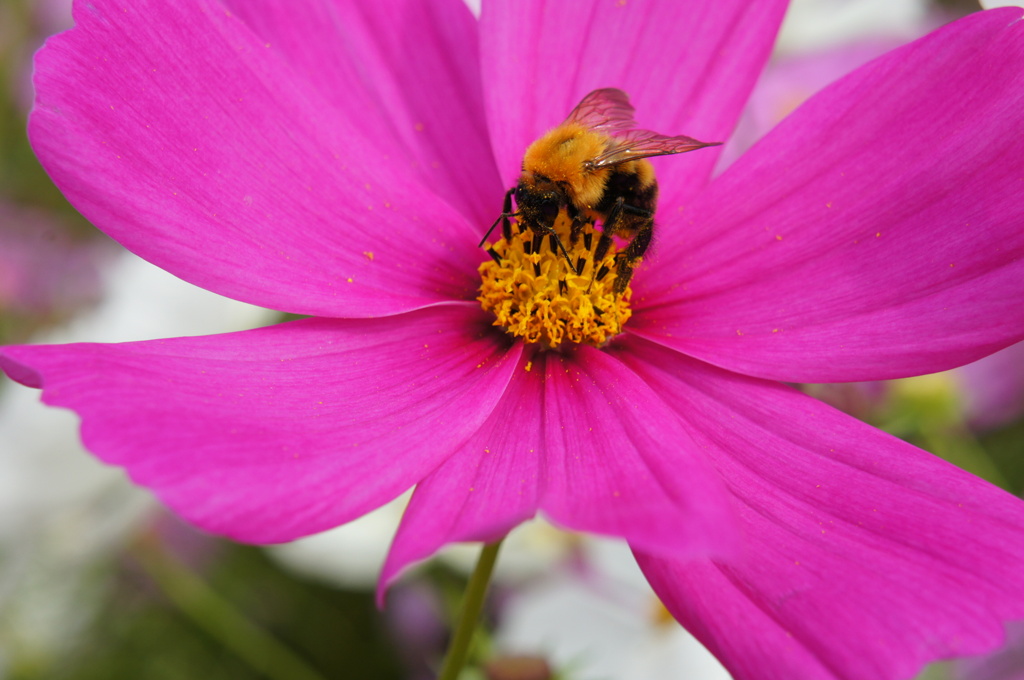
column 506, row 212
column 502, row 216
column 564, row 251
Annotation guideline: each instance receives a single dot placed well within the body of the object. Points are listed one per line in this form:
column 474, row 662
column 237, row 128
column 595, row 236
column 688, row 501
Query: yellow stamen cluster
column 535, row 295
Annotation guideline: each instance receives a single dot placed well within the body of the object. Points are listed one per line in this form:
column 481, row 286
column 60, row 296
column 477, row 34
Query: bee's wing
column 630, row 145
column 606, row 110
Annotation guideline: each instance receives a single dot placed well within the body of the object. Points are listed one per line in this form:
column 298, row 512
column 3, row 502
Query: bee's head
column 538, row 199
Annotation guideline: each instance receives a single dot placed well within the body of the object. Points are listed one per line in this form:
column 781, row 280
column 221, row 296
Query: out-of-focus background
column 98, row 582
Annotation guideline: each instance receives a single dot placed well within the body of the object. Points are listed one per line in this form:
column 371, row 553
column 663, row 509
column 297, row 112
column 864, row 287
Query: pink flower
column 342, row 160
column 993, row 388
column 42, row 271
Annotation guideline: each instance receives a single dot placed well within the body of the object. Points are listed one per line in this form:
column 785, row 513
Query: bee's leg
column 506, row 225
column 545, row 230
column 619, row 213
column 607, row 229
column 644, row 227
column 506, row 212
column 576, row 228
column 636, row 249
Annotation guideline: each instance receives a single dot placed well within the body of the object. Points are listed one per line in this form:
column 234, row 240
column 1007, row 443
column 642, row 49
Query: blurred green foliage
column 140, row 634
column 22, row 178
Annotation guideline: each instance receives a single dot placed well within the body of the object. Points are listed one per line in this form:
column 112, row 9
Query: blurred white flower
column 351, row 556
column 820, row 24
column 600, row 620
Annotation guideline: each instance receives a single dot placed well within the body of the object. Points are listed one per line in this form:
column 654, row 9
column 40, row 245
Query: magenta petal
column 687, row 66
column 486, row 488
column 406, row 73
column 584, row 440
column 276, row 433
column 877, row 230
column 865, row 556
column 183, row 135
column 619, row 463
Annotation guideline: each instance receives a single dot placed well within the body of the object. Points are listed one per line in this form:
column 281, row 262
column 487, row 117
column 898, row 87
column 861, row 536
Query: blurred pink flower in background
column 993, row 388
column 789, row 80
column 42, row 270
column 41, row 18
column 1007, row 664
column 342, row 160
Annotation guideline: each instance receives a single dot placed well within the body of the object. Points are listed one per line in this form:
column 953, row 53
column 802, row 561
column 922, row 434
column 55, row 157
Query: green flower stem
column 472, row 603
column 218, row 617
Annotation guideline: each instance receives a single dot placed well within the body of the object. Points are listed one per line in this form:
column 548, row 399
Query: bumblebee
column 592, row 167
